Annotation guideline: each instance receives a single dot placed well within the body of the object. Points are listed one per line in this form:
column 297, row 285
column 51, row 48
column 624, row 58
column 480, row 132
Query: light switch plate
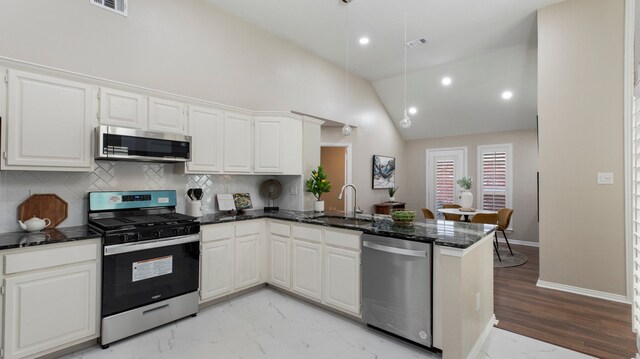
column 605, row 177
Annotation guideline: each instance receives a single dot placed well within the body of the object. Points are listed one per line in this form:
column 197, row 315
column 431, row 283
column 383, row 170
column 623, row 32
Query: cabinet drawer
column 280, row 229
column 216, row 231
column 313, row 234
column 342, row 239
column 49, row 257
column 247, row 228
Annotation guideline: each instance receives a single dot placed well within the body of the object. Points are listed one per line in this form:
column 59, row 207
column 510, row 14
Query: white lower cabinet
column 342, row 279
column 50, row 304
column 280, row 261
column 216, row 278
column 306, row 268
column 247, row 261
column 232, row 258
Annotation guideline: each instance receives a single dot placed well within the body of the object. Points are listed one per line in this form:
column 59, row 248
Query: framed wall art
column 383, row 172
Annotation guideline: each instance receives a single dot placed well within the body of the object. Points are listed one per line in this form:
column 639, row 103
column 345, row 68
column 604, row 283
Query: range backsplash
column 16, row 186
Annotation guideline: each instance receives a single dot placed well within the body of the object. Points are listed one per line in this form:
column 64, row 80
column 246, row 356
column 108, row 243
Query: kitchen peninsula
column 307, row 253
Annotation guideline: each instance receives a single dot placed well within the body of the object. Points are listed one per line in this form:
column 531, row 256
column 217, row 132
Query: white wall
column 525, row 166
column 580, row 101
column 191, row 48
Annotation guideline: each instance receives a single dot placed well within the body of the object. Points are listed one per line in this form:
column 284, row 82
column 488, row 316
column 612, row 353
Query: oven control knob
column 175, row 232
column 123, row 238
column 186, row 230
column 156, row 234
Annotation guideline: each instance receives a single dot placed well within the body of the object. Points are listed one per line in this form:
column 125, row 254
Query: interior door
column 444, row 167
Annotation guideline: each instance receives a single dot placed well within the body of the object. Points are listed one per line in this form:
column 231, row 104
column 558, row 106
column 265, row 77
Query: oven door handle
column 156, row 243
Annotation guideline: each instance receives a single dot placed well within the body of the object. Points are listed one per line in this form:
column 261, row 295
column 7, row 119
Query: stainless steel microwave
column 127, row 144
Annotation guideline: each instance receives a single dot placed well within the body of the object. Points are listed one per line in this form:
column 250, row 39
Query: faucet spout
column 356, row 209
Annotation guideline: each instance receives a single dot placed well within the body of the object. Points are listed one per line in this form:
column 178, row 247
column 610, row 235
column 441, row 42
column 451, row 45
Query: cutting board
column 45, row 205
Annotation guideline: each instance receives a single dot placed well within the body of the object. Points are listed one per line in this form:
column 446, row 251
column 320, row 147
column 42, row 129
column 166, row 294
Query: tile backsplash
column 17, row 186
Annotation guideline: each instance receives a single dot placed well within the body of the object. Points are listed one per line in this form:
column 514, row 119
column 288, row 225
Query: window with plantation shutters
column 445, row 182
column 494, row 177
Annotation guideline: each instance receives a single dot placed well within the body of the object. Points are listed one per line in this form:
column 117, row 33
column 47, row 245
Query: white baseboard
column 475, row 350
column 520, row 243
column 584, row 291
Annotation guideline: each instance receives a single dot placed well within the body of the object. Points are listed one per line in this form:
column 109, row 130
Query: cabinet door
column 306, row 271
column 291, row 152
column 279, row 273
column 49, row 309
column 120, row 108
column 342, row 279
column 238, row 142
column 165, row 116
column 205, row 126
column 49, row 122
column 248, row 264
column 216, row 277
column 267, row 144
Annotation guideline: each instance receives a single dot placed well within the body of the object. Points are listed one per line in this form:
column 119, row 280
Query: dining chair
column 488, row 218
column 452, row 217
column 504, row 217
column 428, row 214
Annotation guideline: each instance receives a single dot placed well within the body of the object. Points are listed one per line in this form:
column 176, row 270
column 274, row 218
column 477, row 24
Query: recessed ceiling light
column 413, row 110
column 364, row 40
column 446, row 81
column 507, row 95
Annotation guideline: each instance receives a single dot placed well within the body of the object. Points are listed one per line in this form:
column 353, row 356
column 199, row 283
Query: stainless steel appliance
column 396, row 287
column 119, row 143
column 150, row 262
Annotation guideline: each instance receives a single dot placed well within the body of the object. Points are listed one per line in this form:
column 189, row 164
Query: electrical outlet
column 477, row 302
column 605, row 177
column 293, row 190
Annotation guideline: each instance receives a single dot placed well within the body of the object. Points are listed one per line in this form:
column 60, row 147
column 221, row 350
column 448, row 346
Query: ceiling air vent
column 117, row 6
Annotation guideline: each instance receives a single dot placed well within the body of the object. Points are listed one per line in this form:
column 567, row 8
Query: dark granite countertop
column 444, row 233
column 47, row 236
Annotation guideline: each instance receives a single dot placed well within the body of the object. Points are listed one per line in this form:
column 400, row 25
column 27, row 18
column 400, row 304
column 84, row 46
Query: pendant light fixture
column 346, row 129
column 406, row 121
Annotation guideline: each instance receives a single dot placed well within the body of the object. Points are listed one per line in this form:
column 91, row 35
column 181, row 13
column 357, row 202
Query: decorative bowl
column 403, row 217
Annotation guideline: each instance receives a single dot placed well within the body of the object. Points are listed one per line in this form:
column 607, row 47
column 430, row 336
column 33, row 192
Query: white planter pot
column 318, row 206
column 466, row 199
column 392, row 199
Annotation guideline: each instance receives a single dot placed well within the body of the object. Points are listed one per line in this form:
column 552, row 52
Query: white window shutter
column 445, row 182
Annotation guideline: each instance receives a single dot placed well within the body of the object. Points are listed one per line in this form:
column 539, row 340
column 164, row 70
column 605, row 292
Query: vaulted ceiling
column 486, row 47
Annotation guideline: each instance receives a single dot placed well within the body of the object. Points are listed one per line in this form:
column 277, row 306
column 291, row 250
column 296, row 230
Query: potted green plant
column 466, row 197
column 318, row 184
column 392, row 192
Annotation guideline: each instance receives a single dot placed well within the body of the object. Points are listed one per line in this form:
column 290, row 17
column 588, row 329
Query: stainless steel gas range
column 150, row 261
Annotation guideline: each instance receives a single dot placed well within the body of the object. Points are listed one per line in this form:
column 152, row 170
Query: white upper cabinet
column 121, row 108
column 166, row 116
column 268, row 140
column 49, row 123
column 205, row 126
column 291, row 152
column 238, row 142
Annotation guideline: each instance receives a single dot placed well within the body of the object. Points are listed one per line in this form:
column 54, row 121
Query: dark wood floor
column 592, row 326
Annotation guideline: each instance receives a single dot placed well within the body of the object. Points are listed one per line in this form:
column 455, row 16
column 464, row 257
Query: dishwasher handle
column 395, row 250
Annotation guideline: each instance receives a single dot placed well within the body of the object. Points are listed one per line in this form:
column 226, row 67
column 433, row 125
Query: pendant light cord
column 405, row 64
column 346, row 73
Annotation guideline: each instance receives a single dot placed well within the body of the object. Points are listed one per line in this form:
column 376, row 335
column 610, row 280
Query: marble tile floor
column 268, row 324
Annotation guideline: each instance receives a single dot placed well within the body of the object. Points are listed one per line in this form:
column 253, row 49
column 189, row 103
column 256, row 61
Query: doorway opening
column 336, row 160
column 444, row 167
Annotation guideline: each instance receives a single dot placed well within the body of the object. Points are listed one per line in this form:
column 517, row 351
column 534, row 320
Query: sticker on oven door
column 150, row 268
column 115, row 199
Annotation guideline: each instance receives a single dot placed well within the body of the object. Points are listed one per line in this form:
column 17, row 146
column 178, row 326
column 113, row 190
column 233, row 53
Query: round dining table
column 466, row 214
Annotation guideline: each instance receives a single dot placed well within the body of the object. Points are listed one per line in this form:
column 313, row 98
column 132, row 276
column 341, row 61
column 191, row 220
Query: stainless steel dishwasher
column 396, row 287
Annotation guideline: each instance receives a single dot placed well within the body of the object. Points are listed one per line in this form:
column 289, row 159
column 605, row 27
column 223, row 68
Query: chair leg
column 506, row 240
column 495, row 246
